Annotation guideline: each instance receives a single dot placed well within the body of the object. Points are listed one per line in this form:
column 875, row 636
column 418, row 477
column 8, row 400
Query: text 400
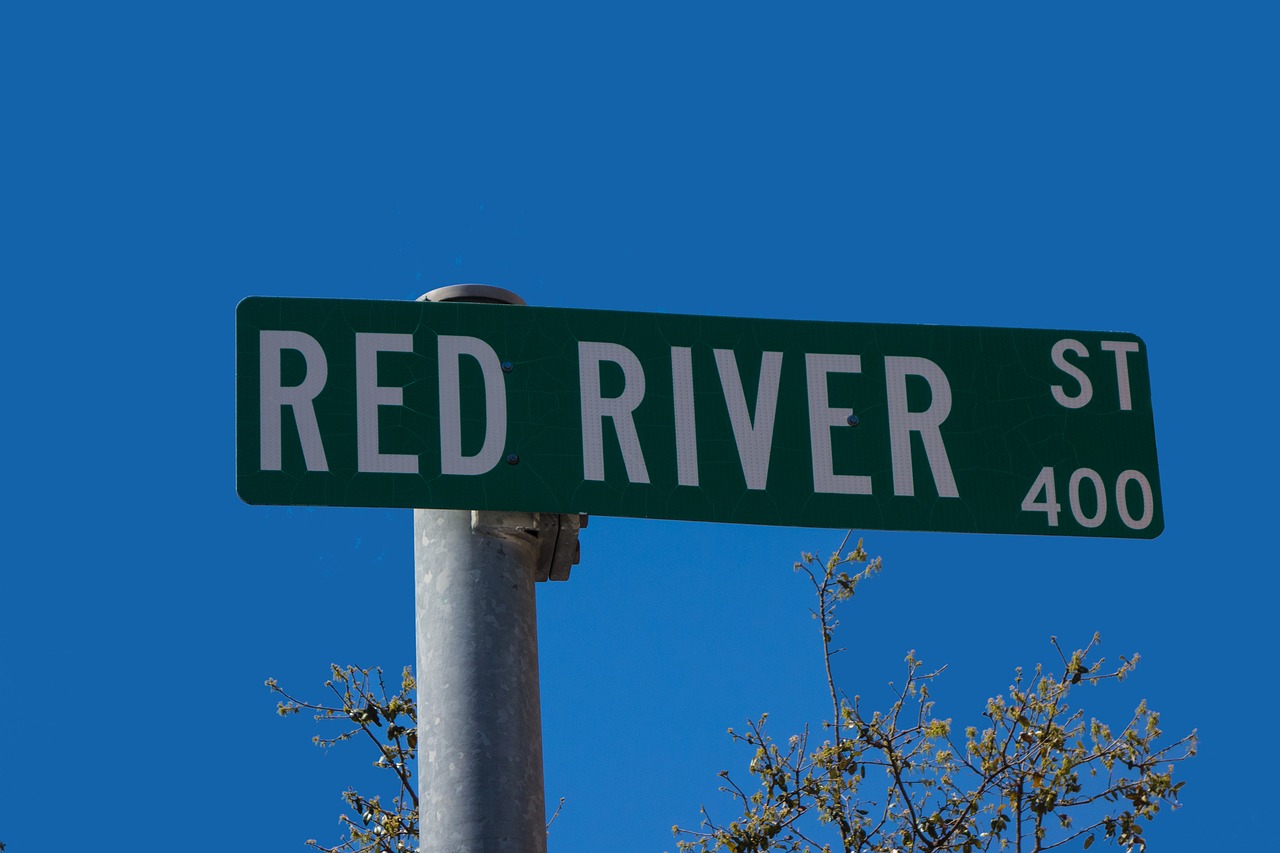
column 1046, row 486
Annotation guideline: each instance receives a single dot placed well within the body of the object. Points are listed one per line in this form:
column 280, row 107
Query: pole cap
column 472, row 293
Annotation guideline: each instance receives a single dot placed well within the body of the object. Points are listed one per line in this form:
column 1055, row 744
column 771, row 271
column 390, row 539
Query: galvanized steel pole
column 480, row 783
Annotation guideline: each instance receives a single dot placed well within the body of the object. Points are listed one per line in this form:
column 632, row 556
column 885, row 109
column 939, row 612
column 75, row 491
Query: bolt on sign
column 798, row 423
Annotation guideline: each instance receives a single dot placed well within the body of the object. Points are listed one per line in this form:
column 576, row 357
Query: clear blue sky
column 1098, row 166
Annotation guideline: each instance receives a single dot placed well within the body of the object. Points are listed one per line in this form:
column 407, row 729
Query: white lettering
column 596, row 408
column 273, row 397
column 822, row 417
column 903, row 422
column 1060, row 361
column 753, row 436
column 686, row 433
column 1045, row 483
column 1122, row 500
column 1121, row 349
column 370, row 395
column 451, row 348
column 1100, row 491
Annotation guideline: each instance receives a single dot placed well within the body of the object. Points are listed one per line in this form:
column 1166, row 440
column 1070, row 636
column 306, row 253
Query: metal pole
column 480, row 783
column 480, row 786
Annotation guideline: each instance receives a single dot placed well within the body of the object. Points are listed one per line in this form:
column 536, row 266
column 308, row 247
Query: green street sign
column 812, row 424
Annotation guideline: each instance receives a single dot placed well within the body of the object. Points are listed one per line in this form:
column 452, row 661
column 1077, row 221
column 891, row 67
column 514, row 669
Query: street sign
column 815, row 424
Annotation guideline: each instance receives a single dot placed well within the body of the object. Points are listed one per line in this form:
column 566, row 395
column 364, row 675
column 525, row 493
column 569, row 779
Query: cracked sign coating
column 798, row 423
